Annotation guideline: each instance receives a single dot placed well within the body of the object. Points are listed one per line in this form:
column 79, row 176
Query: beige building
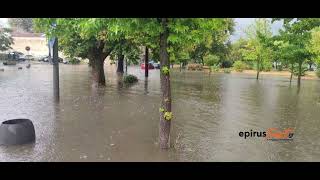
column 36, row 42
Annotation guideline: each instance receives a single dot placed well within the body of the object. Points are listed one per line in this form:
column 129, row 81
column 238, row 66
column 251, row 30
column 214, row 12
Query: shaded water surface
column 120, row 123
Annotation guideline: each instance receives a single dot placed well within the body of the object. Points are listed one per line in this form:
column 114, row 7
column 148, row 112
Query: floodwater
column 120, row 123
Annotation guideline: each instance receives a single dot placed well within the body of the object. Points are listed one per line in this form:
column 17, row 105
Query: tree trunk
column 98, row 71
column 180, row 67
column 97, row 55
column 55, row 63
column 299, row 73
column 146, row 86
column 291, row 73
column 126, row 66
column 50, row 56
column 120, row 63
column 146, row 62
column 310, row 67
column 258, row 69
column 91, row 62
column 164, row 130
column 49, row 50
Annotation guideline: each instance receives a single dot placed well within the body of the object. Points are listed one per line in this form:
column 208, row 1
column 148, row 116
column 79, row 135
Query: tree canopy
column 25, row 24
column 5, row 39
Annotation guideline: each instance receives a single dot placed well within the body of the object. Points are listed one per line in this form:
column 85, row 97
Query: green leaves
column 165, row 70
column 168, row 116
column 258, row 45
column 79, row 35
column 211, row 60
column 173, row 38
column 314, row 45
column 179, row 28
column 161, row 109
column 299, row 40
column 210, row 37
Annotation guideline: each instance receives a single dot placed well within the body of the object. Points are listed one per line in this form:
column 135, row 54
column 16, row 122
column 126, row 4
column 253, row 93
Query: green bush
column 239, row 66
column 211, row 60
column 226, row 64
column 129, row 79
column 214, row 68
column 266, row 66
column 227, row 70
column 74, row 61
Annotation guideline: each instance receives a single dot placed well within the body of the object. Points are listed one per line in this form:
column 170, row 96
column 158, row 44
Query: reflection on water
column 120, row 123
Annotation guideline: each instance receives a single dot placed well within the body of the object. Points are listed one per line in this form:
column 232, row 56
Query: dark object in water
column 1, row 69
column 9, row 63
column 16, row 132
column 28, row 66
column 19, row 67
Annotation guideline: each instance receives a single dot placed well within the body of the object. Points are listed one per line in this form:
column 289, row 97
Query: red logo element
column 276, row 134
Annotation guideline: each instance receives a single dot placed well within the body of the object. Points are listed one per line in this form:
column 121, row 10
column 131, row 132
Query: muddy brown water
column 120, row 123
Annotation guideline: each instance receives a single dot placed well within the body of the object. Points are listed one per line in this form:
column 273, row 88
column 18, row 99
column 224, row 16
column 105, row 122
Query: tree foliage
column 314, row 45
column 216, row 42
column 258, row 47
column 25, row 24
column 5, row 39
column 297, row 35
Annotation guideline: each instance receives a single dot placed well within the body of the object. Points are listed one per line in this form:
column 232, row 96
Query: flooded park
column 160, row 89
column 120, row 123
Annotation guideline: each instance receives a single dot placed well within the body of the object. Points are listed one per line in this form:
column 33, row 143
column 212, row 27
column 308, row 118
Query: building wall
column 38, row 45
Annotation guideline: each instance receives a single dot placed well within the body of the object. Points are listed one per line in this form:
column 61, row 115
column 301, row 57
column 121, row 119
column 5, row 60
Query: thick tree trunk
column 146, row 62
column 98, row 72
column 96, row 56
column 258, row 69
column 164, row 130
column 120, row 63
column 91, row 63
